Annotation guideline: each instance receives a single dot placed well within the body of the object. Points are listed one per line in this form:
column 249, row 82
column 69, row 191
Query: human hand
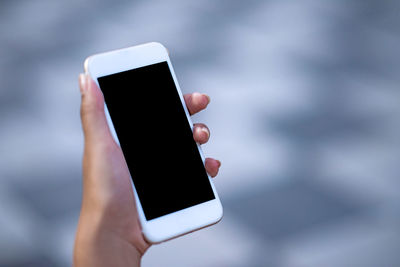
column 109, row 233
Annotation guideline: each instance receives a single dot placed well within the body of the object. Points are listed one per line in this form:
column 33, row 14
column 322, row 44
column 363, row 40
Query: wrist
column 97, row 245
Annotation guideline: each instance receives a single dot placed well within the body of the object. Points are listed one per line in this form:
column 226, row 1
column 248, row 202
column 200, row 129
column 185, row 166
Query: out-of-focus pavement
column 305, row 117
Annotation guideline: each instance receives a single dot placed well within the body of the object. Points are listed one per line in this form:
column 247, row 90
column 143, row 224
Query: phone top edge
column 155, row 44
column 113, row 61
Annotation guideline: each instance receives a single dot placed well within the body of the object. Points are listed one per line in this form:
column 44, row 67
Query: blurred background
column 304, row 117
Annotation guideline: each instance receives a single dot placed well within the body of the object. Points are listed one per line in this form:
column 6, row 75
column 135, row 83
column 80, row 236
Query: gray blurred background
column 304, row 117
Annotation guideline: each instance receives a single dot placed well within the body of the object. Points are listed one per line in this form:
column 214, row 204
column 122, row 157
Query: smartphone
column 148, row 118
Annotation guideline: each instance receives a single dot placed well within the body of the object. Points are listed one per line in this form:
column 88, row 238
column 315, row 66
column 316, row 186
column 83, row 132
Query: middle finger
column 201, row 133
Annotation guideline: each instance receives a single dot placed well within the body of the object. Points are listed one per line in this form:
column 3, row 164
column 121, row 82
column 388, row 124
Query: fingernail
column 195, row 95
column 205, row 130
column 208, row 98
column 82, row 82
column 219, row 163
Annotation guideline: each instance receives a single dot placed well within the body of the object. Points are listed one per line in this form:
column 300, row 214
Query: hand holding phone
column 108, row 204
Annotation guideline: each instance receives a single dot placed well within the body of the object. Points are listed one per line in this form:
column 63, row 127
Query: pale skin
column 109, row 232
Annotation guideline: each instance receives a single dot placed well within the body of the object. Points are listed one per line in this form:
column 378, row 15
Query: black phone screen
column 156, row 139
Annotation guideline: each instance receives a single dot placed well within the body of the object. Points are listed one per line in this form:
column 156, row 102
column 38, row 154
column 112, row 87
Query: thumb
column 94, row 123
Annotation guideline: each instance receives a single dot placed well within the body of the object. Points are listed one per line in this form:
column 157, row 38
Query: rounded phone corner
column 86, row 65
column 151, row 238
column 160, row 45
column 220, row 214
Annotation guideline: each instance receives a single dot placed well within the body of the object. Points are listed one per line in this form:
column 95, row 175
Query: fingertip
column 218, row 163
column 82, row 82
column 196, row 98
column 90, row 83
column 201, row 133
column 93, row 92
column 92, row 109
column 196, row 102
column 212, row 166
column 208, row 99
column 200, row 100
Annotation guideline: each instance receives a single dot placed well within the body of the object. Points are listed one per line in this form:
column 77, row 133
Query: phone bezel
column 180, row 222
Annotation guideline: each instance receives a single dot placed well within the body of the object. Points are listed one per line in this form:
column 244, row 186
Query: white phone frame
column 180, row 222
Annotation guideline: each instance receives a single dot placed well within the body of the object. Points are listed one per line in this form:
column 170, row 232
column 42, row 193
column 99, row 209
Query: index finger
column 196, row 102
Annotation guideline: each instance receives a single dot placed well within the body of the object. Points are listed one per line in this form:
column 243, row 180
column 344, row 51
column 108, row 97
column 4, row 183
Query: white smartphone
column 148, row 118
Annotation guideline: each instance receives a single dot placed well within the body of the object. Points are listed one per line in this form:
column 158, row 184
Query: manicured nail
column 82, row 82
column 205, row 130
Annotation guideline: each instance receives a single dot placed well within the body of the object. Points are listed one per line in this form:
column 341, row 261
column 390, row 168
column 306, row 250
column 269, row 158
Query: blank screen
column 156, row 139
